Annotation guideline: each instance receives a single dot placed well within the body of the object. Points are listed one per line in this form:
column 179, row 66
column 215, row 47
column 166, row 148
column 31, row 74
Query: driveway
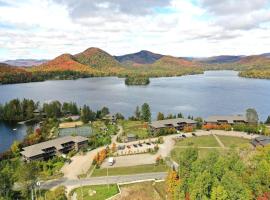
column 79, row 164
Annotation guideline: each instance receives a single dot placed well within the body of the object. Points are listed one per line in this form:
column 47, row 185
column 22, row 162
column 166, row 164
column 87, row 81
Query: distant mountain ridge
column 97, row 62
column 25, row 62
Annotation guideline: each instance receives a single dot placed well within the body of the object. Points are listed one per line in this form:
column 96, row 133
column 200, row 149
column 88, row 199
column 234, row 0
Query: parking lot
column 134, row 148
column 130, row 160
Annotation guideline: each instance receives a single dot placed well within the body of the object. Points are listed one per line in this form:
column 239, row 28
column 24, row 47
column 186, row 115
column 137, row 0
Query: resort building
column 261, row 141
column 178, row 123
column 58, row 146
column 230, row 119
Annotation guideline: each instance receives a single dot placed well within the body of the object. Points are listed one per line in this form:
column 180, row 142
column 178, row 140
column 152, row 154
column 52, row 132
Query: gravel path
column 219, row 141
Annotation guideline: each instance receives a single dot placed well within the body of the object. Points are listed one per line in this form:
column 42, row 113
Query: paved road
column 72, row 183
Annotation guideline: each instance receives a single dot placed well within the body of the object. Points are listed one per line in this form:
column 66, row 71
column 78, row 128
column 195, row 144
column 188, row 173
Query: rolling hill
column 99, row 60
column 64, row 62
column 142, row 57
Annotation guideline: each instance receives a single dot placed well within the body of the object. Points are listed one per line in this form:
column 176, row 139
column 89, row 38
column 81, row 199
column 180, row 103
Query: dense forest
column 237, row 175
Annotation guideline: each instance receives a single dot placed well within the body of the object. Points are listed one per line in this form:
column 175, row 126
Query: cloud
column 84, row 8
column 238, row 15
column 48, row 28
column 227, row 7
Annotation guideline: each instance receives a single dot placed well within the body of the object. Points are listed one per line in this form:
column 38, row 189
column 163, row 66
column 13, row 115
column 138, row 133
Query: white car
column 111, row 161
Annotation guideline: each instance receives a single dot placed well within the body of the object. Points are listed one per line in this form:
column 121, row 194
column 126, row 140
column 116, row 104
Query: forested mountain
column 142, row 57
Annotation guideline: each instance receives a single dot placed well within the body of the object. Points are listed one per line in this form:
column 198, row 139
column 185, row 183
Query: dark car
column 148, row 143
column 140, row 145
column 184, row 136
column 194, row 134
column 135, row 145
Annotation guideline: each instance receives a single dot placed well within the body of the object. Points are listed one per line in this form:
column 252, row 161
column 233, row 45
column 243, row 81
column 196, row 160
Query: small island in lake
column 137, row 80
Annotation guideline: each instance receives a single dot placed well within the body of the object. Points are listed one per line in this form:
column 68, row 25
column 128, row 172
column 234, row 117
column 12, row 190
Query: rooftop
column 262, row 140
column 229, row 118
column 174, row 122
column 57, row 143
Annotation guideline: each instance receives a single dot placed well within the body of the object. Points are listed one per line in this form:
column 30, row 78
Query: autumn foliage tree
column 172, row 182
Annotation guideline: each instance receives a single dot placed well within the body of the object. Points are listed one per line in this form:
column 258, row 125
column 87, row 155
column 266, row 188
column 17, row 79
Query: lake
column 211, row 93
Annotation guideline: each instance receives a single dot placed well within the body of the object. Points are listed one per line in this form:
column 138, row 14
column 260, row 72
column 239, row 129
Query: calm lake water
column 215, row 92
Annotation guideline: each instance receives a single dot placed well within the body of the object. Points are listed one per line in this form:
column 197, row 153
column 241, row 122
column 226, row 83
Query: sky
column 44, row 29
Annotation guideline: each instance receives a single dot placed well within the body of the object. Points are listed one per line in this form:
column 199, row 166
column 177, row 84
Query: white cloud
column 46, row 28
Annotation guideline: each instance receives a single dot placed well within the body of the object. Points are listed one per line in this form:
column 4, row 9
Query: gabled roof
column 38, row 149
column 229, row 118
column 174, row 122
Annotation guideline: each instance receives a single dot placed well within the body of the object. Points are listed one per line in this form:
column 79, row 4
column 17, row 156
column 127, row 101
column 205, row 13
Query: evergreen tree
column 138, row 113
column 146, row 113
column 160, row 116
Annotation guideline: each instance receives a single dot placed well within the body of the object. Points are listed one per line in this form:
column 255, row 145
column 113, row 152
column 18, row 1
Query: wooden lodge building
column 223, row 119
column 58, row 146
column 178, row 124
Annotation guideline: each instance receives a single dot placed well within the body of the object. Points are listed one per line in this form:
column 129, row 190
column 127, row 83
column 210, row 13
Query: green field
column 233, row 141
column 202, row 141
column 130, row 170
column 135, row 127
column 99, row 192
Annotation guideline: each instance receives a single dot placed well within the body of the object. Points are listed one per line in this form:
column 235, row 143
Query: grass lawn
column 135, row 127
column 202, row 141
column 99, row 192
column 233, row 141
column 143, row 191
column 176, row 152
column 130, row 170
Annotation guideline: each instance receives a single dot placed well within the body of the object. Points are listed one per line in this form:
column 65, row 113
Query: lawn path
column 219, row 141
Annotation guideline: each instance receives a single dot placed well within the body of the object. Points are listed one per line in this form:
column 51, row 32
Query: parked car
column 121, row 147
column 135, row 145
column 194, row 134
column 111, row 161
column 140, row 144
column 147, row 143
column 184, row 136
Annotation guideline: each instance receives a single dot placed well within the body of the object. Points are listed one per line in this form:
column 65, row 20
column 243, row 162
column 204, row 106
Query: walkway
column 219, row 142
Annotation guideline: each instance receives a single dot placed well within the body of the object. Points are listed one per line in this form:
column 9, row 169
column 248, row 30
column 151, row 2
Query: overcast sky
column 47, row 28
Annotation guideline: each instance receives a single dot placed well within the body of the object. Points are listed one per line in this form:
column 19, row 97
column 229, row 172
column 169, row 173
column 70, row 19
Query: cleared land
column 130, row 170
column 135, row 127
column 232, row 141
column 201, row 141
column 70, row 124
column 142, row 191
column 99, row 192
